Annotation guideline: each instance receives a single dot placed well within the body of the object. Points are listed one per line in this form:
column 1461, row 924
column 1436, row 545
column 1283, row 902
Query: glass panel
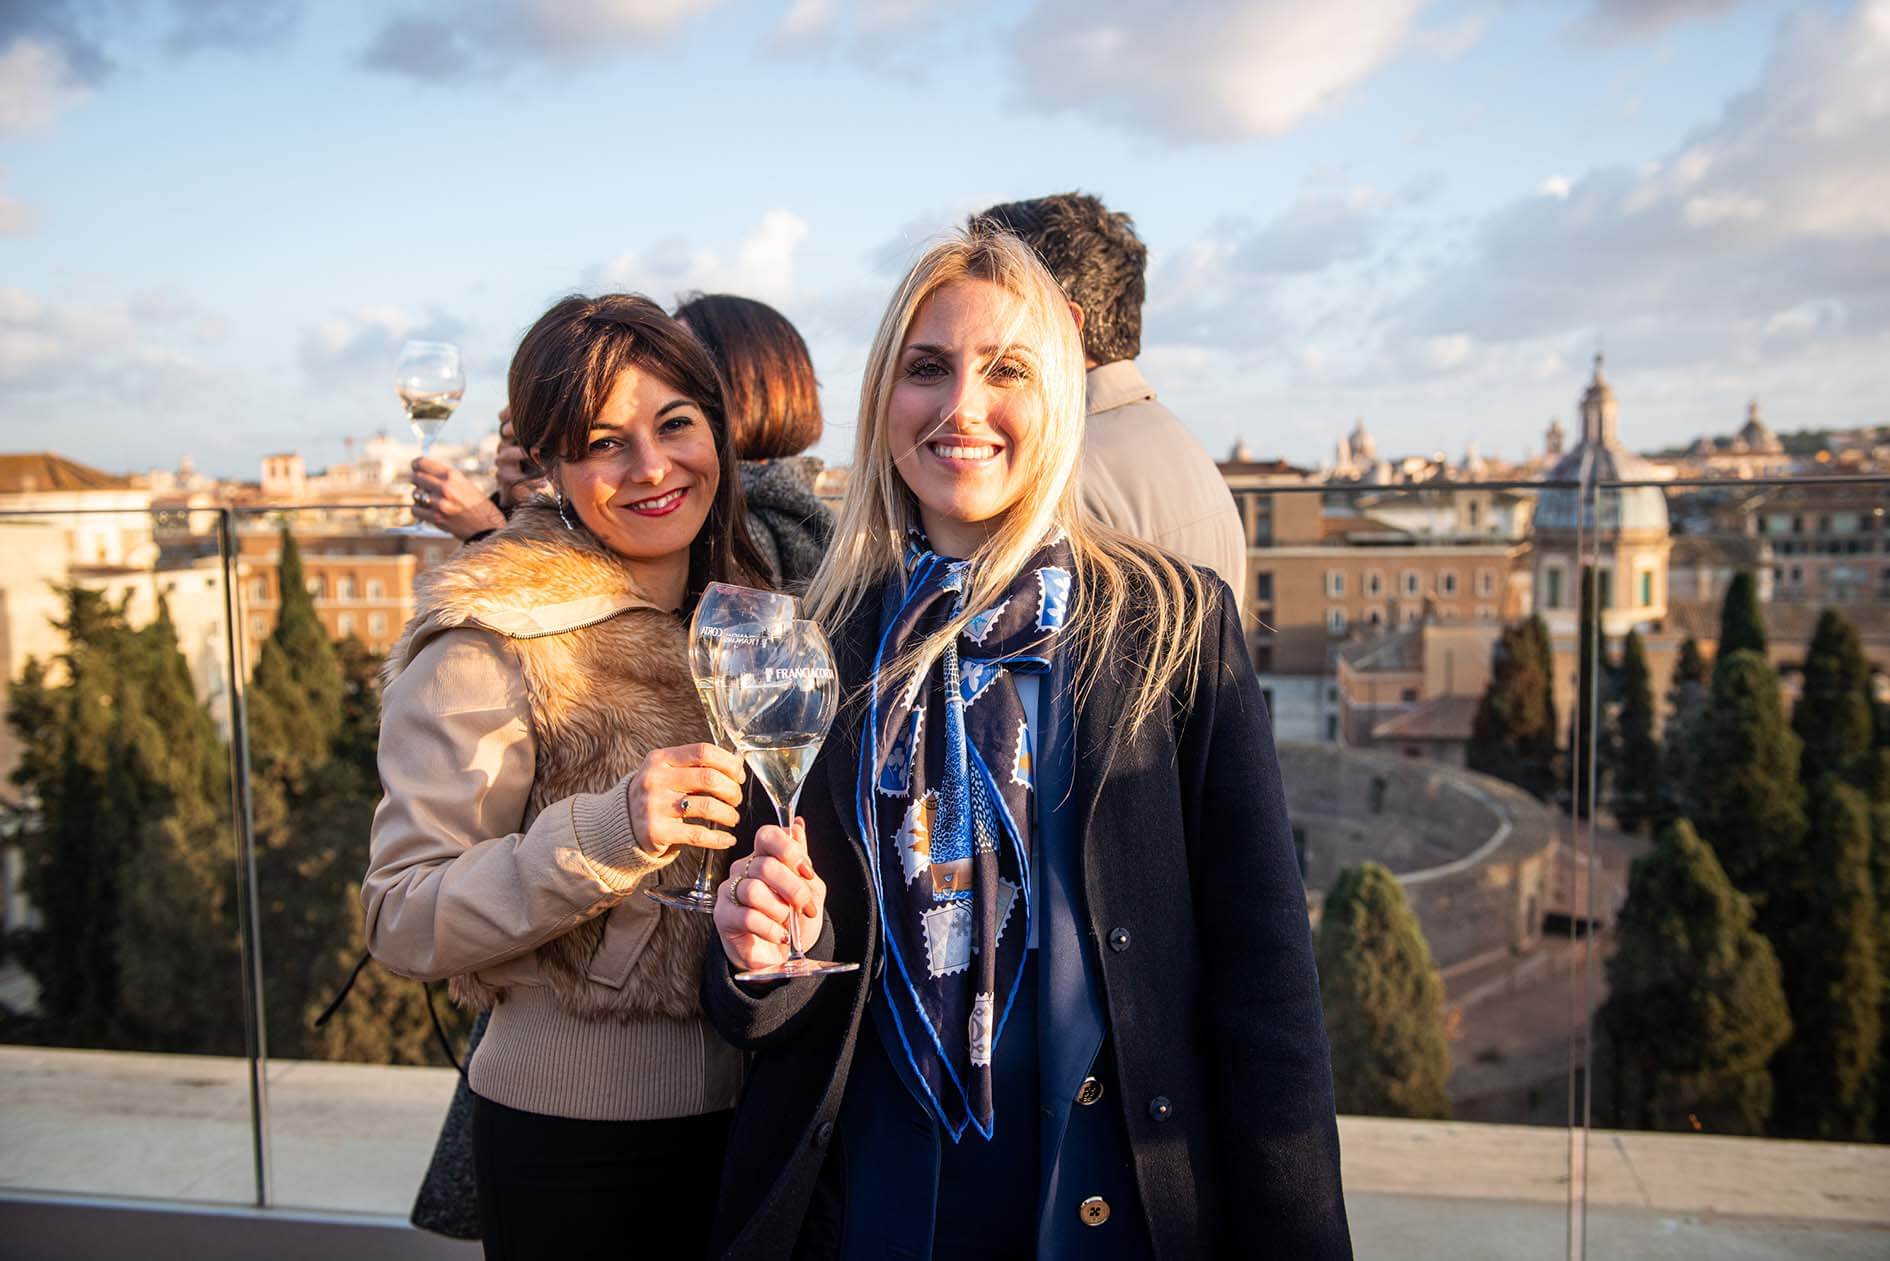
column 355, row 1104
column 1745, row 735
column 1441, row 895
column 124, row 1069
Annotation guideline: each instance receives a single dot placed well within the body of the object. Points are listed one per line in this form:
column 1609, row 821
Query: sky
column 220, row 218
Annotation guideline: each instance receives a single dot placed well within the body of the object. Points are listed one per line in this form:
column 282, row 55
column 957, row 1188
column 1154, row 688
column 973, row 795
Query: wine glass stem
column 786, row 816
column 426, row 445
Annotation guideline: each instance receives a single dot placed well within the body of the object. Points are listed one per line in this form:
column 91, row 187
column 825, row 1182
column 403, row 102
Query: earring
column 563, row 514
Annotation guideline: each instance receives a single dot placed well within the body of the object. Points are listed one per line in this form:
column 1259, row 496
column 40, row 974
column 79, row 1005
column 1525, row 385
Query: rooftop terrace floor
column 351, row 1140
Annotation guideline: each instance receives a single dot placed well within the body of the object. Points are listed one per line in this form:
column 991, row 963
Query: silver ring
column 422, row 498
column 682, row 806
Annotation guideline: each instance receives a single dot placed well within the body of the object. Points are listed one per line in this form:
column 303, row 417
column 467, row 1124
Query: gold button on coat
column 1089, row 1092
column 1094, row 1211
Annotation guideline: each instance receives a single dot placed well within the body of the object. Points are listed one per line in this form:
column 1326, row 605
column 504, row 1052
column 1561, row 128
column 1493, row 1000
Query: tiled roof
column 1440, row 718
column 29, row 472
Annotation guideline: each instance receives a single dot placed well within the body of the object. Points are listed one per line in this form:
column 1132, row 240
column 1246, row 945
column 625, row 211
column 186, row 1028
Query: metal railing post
column 248, row 899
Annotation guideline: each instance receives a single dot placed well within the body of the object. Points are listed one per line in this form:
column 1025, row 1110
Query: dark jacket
column 788, row 525
column 1198, row 917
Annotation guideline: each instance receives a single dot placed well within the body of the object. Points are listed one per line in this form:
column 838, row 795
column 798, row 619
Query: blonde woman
column 1050, row 825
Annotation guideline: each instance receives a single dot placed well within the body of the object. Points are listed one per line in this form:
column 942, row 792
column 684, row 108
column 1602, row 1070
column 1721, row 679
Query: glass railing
column 1589, row 1004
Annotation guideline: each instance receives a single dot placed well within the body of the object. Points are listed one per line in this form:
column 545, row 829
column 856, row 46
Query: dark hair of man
column 773, row 398
column 1095, row 255
column 563, row 373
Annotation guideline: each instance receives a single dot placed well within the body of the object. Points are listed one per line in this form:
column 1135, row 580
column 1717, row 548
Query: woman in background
column 1050, row 827
column 774, row 413
column 545, row 760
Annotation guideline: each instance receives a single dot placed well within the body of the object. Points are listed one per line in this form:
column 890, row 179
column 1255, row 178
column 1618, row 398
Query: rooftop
column 34, row 472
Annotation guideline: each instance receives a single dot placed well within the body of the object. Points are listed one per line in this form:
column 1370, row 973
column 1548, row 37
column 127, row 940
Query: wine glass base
column 788, row 969
column 419, row 530
column 701, row 901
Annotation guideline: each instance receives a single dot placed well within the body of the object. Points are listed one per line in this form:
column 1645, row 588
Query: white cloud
column 440, row 40
column 101, row 350
column 347, row 349
column 37, row 83
column 1614, row 20
column 16, row 217
column 807, row 18
column 1556, row 186
column 761, row 266
column 1204, row 69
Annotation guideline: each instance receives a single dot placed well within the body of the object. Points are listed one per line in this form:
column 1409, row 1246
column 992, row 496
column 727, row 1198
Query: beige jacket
column 532, row 682
column 1146, row 475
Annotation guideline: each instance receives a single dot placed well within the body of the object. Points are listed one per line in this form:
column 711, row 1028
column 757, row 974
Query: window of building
column 259, row 589
column 377, row 623
column 1797, row 575
column 1486, row 582
column 315, row 586
column 1552, row 587
column 1335, row 582
column 344, row 587
column 1486, row 612
column 1408, row 696
column 1263, row 664
column 374, row 588
column 344, row 625
column 1647, row 588
column 258, row 626
column 1332, row 728
column 1335, row 621
column 1476, row 511
column 1447, row 582
column 1263, row 586
column 1374, row 583
column 1410, row 584
column 1412, row 616
column 1844, row 523
column 1604, row 589
column 1375, row 617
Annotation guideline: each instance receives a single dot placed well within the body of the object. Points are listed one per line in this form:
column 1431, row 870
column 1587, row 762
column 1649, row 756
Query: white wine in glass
column 722, row 605
column 779, row 694
column 429, row 381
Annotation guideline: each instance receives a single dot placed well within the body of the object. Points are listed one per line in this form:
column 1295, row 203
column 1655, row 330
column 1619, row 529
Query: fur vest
column 607, row 677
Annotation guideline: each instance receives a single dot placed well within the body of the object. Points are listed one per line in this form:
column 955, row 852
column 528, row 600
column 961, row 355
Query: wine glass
column 429, row 381
column 723, row 605
column 779, row 694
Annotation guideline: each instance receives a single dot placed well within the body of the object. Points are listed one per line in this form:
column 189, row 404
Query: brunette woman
column 774, row 414
column 545, row 761
column 1051, row 828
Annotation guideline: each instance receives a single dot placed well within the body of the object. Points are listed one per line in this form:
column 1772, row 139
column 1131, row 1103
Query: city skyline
column 218, row 224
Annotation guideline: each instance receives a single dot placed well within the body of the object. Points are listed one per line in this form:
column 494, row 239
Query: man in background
column 1143, row 473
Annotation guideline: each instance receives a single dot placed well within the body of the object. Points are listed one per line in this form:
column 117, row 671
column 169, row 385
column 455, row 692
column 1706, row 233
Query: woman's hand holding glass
column 751, row 914
column 677, row 792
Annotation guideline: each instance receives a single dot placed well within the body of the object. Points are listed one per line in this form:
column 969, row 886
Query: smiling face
column 964, row 403
column 647, row 478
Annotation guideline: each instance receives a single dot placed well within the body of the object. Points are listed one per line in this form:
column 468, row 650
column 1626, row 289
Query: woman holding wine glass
column 1049, row 826
column 545, row 762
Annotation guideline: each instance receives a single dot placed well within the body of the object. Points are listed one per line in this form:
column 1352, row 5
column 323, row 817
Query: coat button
column 1159, row 1109
column 1089, row 1092
column 1094, row 1211
column 1118, row 939
column 823, row 1134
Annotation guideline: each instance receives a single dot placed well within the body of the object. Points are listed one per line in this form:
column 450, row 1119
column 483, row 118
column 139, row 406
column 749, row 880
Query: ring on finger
column 682, row 806
column 422, row 498
column 735, row 894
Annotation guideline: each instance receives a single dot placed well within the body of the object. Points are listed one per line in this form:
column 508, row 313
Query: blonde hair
column 1122, row 587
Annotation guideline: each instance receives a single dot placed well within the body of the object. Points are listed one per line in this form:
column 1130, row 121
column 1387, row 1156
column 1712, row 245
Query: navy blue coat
column 1194, row 898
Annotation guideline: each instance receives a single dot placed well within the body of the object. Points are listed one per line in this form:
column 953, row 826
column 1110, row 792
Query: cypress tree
column 1384, row 1003
column 1832, row 716
column 1696, row 1006
column 1827, row 1072
column 1746, row 799
column 1741, row 621
column 1687, row 698
column 1880, row 887
column 1637, row 779
column 1591, row 668
column 1513, row 734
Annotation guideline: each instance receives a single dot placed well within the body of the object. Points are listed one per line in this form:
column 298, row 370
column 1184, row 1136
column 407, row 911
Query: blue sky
column 218, row 218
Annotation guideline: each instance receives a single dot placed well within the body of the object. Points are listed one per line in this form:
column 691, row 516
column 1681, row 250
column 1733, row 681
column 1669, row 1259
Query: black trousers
column 554, row 1187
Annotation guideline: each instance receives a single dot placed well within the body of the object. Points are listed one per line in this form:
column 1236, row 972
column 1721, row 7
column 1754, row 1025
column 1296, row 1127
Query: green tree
column 1637, row 758
column 1384, row 1003
column 1696, row 1006
column 1687, row 697
column 1586, row 756
column 1741, row 621
column 1745, row 796
column 1832, row 716
column 1880, row 886
column 1827, row 1072
column 1513, row 734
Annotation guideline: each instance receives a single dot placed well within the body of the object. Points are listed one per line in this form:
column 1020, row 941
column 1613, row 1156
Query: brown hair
column 563, row 373
column 773, row 398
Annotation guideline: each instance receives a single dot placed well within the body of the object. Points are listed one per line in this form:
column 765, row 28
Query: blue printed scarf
column 944, row 805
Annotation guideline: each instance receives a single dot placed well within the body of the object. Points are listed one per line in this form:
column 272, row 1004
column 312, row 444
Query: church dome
column 1756, row 435
column 1601, row 456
